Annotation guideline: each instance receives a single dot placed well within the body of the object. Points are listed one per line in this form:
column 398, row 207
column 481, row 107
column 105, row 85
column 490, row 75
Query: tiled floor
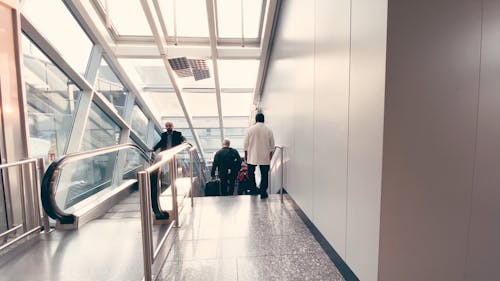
column 245, row 238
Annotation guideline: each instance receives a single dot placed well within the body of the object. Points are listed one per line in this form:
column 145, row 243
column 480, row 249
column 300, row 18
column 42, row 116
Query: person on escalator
column 228, row 162
column 169, row 138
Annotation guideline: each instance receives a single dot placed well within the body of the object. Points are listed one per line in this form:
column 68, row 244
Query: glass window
column 110, row 86
column 51, row 98
column 185, row 11
column 236, row 121
column 229, row 18
column 153, row 138
column 139, row 122
column 101, row 130
column 121, row 16
column 210, row 141
column 236, row 104
column 179, row 122
column 73, row 43
column 201, row 105
column 237, row 137
column 165, row 105
column 239, row 74
column 150, row 73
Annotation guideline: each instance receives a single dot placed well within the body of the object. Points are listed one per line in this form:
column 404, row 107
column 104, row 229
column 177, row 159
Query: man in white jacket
column 259, row 149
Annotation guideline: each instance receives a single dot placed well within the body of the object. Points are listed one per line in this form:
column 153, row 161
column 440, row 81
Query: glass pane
column 236, row 104
column 93, row 177
column 134, row 163
column 238, row 74
column 153, row 138
column 139, row 123
column 150, row 73
column 210, row 141
column 51, row 98
column 110, row 86
column 236, row 121
column 237, row 137
column 185, row 13
column 121, row 16
column 101, row 130
column 201, row 105
column 84, row 178
column 179, row 122
column 229, row 18
column 164, row 104
column 73, row 43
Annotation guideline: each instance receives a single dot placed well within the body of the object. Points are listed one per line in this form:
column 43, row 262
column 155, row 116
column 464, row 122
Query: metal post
column 191, row 175
column 147, row 228
column 282, row 176
column 23, row 199
column 173, row 169
column 41, row 169
column 34, row 194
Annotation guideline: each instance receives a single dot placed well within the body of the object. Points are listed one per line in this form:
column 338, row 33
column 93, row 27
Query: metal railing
column 281, row 167
column 167, row 157
column 31, row 171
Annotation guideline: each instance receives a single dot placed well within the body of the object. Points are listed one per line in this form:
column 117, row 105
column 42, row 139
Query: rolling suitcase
column 212, row 188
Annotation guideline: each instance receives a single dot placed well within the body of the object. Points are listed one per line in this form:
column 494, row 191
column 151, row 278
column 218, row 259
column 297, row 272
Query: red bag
column 243, row 174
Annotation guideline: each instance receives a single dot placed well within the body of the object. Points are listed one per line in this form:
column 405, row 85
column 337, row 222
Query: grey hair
column 226, row 143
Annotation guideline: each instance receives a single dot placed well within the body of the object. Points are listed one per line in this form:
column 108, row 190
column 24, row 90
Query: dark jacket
column 177, row 139
column 226, row 159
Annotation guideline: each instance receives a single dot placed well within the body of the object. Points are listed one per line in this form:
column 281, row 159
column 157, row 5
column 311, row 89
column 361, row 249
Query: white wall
column 324, row 99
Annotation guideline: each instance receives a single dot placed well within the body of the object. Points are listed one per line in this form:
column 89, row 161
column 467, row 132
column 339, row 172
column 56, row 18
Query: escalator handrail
column 52, row 174
column 166, row 155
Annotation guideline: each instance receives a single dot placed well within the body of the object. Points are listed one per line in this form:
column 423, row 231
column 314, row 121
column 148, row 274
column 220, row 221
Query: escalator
column 79, row 187
column 100, row 188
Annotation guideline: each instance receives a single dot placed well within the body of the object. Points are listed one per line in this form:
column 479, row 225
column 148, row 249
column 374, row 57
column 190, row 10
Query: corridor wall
column 389, row 111
column 324, row 98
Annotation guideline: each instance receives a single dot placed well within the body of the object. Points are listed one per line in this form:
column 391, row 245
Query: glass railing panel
column 77, row 180
column 134, row 162
column 82, row 179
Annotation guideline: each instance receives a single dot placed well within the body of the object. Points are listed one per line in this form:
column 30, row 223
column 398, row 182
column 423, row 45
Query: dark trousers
column 264, row 181
column 227, row 185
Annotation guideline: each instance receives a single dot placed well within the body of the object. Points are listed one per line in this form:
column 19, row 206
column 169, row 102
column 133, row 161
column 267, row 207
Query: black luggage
column 212, row 188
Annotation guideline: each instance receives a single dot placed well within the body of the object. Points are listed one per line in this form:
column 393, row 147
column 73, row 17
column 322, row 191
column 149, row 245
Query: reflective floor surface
column 235, row 238
column 245, row 238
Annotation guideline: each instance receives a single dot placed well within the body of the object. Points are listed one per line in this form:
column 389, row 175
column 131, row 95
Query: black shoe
column 264, row 195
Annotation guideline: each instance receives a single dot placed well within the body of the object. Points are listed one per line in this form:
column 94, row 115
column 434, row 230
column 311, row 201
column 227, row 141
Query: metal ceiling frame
column 160, row 41
column 271, row 11
column 213, row 45
column 117, row 46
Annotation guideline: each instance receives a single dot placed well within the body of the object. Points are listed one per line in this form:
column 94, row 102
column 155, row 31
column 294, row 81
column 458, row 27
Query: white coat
column 259, row 142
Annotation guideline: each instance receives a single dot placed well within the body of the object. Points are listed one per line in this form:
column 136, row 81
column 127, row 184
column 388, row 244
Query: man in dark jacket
column 228, row 161
column 170, row 138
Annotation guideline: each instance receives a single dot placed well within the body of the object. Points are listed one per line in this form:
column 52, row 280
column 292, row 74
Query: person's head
column 169, row 126
column 259, row 117
column 226, row 143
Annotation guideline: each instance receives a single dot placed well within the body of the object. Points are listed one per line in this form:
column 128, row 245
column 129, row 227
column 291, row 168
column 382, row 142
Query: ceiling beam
column 160, row 39
column 213, row 46
column 86, row 15
column 150, row 50
column 269, row 25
